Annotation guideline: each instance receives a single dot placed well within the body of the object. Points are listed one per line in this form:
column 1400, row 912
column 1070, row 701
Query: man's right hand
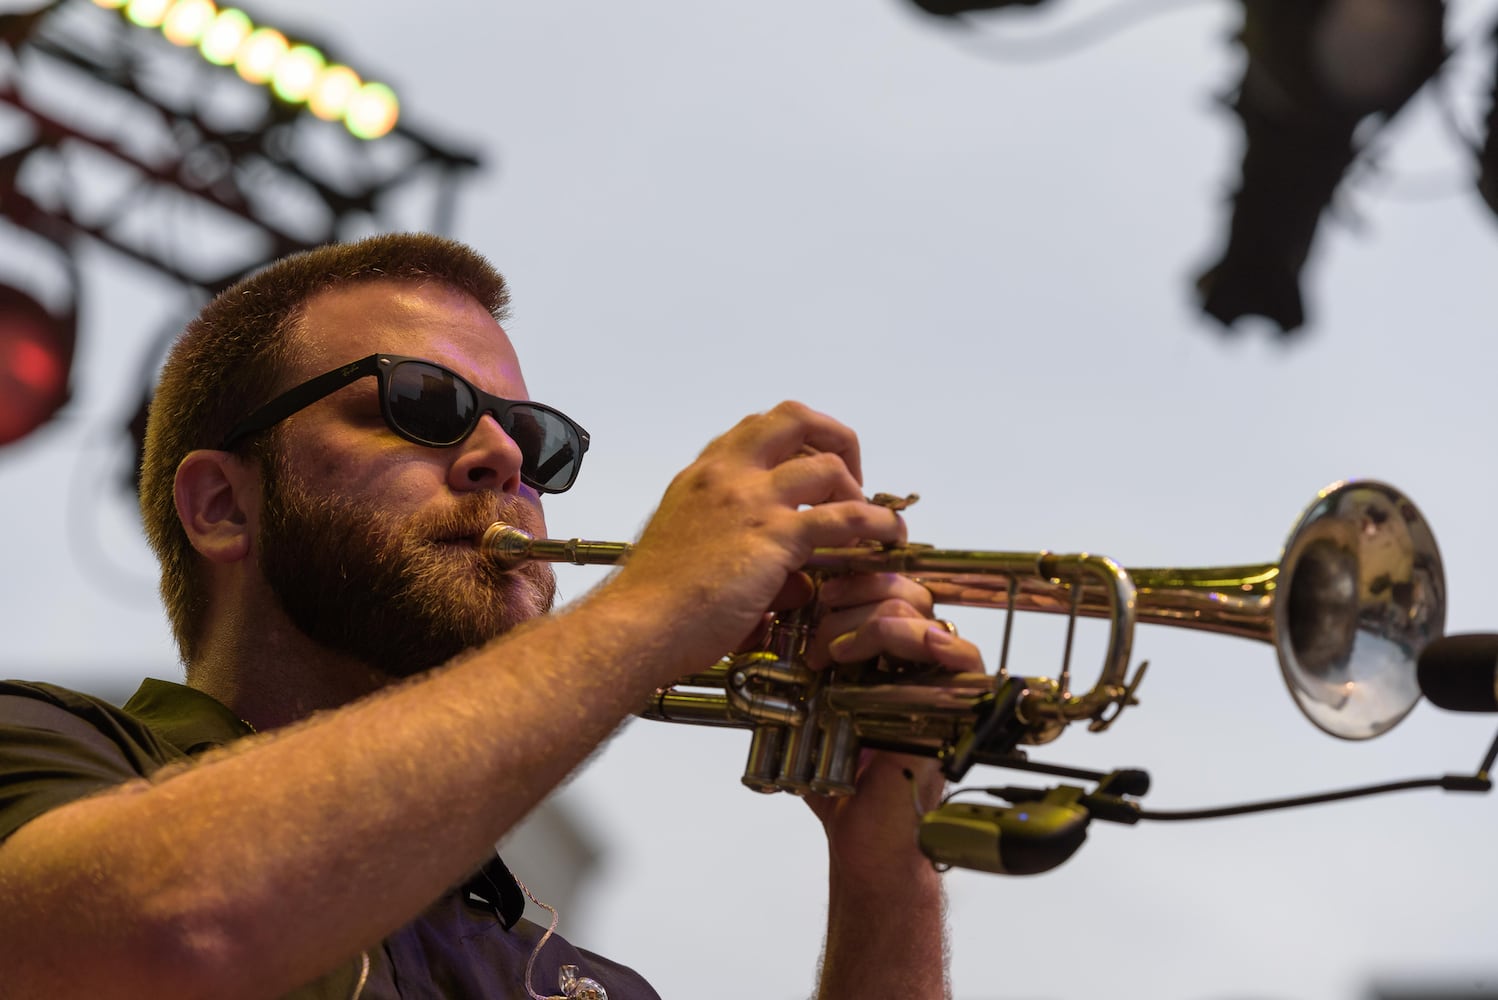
column 738, row 523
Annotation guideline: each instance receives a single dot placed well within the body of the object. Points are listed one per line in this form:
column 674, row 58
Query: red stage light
column 36, row 353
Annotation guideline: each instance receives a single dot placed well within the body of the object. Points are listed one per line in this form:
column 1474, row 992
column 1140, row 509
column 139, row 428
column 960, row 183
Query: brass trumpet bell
column 1363, row 592
column 1358, row 592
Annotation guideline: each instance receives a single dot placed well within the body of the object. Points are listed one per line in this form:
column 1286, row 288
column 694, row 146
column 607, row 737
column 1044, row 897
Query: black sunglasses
column 430, row 405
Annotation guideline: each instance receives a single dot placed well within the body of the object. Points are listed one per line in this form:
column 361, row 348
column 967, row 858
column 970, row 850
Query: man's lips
column 465, row 534
column 471, row 529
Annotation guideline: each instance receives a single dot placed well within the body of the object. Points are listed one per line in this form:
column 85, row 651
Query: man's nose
column 488, row 459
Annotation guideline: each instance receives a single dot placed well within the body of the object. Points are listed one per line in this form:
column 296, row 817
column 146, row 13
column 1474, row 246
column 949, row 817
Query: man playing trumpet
column 370, row 704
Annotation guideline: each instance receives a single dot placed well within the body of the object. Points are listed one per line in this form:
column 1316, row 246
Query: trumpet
column 1357, row 593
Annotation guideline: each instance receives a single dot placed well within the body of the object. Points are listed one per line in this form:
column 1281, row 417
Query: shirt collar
column 186, row 718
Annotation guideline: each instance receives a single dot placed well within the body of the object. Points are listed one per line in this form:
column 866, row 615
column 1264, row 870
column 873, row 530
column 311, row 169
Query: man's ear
column 216, row 492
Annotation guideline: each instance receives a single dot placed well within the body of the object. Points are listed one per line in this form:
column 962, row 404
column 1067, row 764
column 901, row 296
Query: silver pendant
column 575, row 987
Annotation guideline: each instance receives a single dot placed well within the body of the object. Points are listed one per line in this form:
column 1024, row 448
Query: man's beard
column 386, row 591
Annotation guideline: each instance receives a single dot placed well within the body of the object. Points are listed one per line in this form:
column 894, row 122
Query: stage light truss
column 121, row 135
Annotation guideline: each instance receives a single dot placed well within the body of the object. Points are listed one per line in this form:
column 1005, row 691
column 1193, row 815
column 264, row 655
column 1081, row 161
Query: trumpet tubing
column 1358, row 591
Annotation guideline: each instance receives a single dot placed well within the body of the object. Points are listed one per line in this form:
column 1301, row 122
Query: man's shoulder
column 183, row 719
column 53, row 693
column 58, row 745
column 41, row 706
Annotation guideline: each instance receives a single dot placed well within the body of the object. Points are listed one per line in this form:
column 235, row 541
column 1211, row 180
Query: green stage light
column 222, row 39
column 296, row 72
column 260, row 53
column 372, row 112
column 147, row 13
column 330, row 96
column 185, row 23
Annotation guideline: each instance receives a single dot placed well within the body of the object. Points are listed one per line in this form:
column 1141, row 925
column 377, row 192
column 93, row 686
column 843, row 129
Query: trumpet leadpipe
column 510, row 546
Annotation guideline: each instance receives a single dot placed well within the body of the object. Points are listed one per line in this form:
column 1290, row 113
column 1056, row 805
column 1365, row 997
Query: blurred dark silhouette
column 951, row 8
column 1317, row 70
column 1321, row 75
column 1487, row 178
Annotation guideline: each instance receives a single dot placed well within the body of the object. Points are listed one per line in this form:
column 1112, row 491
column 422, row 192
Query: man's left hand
column 872, row 834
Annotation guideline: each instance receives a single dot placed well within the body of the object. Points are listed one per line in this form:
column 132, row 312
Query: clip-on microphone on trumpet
column 1043, row 827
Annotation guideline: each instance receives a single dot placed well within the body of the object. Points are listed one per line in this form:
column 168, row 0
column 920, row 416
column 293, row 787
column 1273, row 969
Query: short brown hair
column 233, row 357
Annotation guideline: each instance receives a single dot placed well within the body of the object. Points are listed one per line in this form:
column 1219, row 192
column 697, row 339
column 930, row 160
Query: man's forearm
column 886, row 938
column 277, row 860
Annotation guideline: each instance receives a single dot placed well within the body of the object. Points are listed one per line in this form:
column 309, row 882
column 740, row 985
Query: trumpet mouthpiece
column 506, row 544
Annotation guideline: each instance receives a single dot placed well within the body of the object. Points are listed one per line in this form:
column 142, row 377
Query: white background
column 984, row 265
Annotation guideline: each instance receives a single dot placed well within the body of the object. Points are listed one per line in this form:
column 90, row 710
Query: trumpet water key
column 1357, row 593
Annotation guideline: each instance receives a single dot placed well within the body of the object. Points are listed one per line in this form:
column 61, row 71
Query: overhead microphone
column 1460, row 672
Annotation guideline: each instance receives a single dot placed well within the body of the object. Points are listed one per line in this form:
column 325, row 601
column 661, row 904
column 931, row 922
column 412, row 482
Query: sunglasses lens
column 433, row 406
column 549, row 445
column 429, row 404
